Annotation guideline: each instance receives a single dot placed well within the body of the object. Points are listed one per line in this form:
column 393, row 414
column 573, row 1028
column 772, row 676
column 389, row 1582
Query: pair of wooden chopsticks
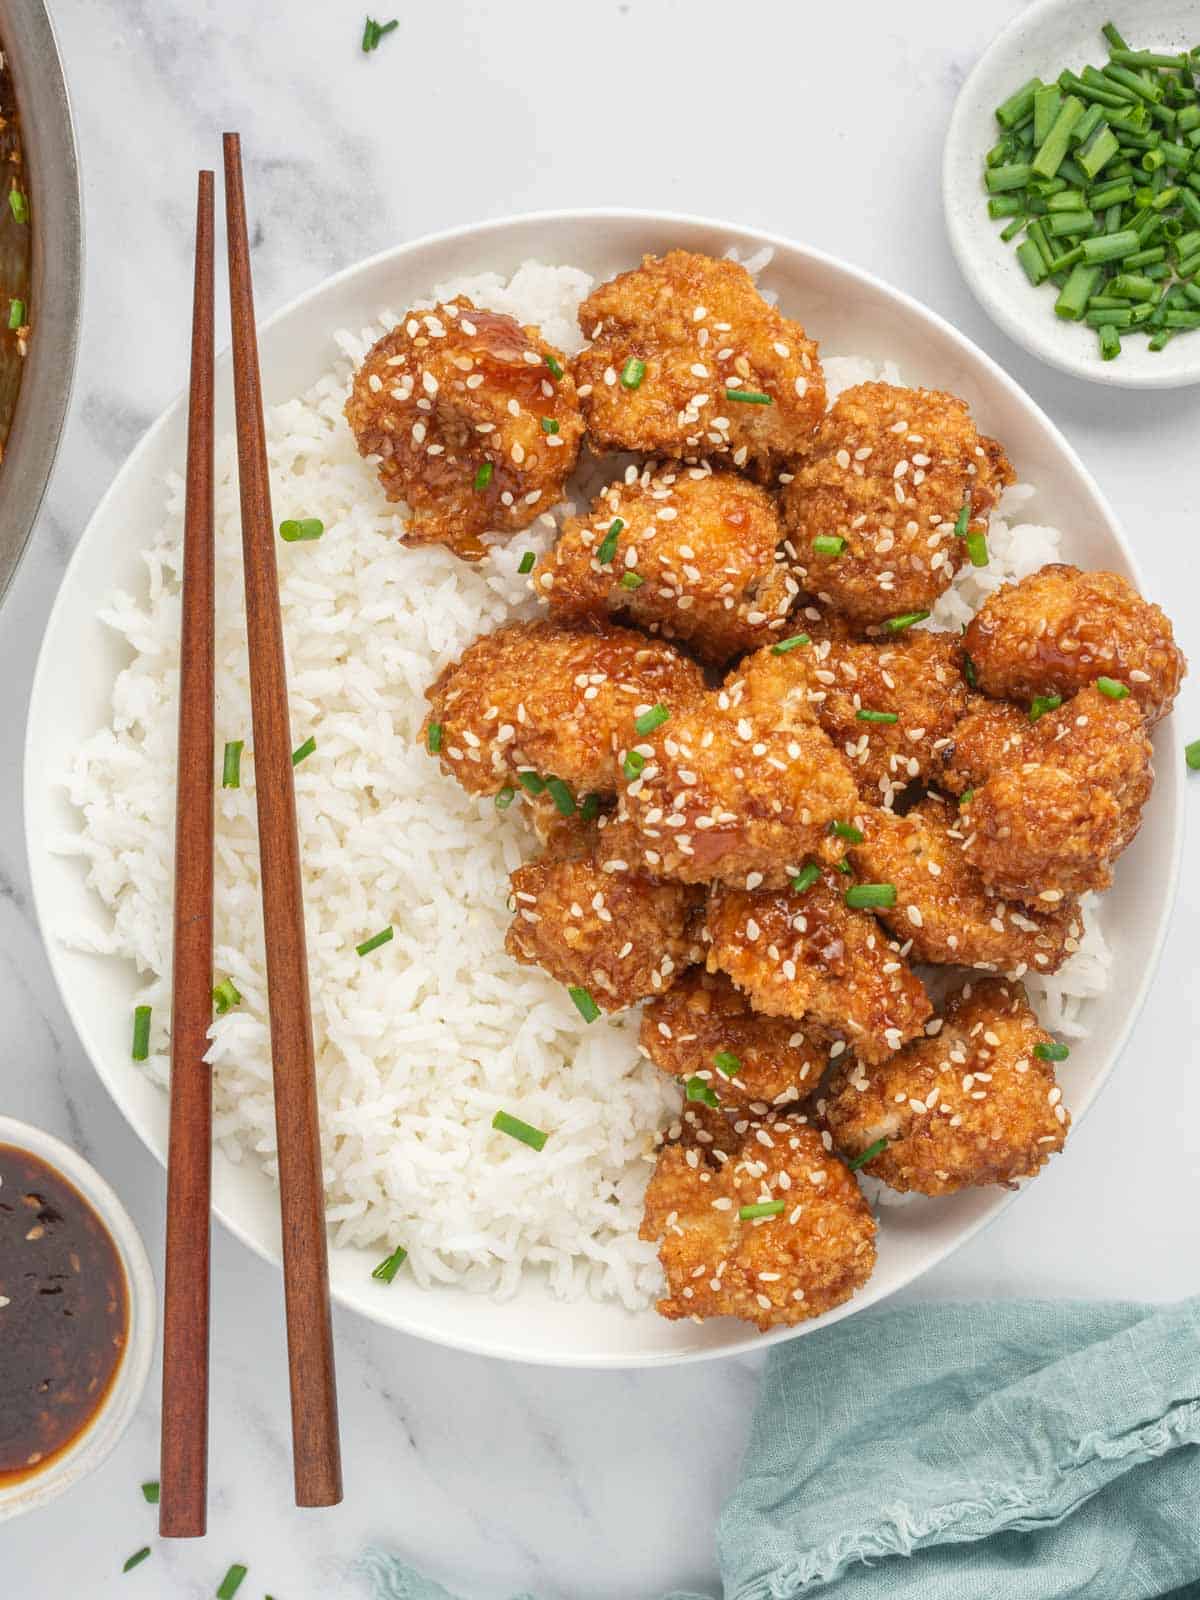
column 315, row 1446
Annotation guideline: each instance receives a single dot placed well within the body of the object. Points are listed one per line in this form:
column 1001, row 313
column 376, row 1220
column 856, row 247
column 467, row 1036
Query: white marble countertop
column 822, row 123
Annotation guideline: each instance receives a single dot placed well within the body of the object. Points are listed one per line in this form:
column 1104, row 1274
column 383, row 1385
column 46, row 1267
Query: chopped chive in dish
column 225, row 996
column 633, row 765
column 531, row 782
column 608, row 545
column 231, row 1582
column 865, row 714
column 794, row 643
column 16, row 315
column 631, row 580
column 584, row 1004
column 549, row 425
column 516, row 1129
column 141, row 1033
column 965, row 798
column 136, row 1559
column 762, row 1208
column 589, row 808
column 748, row 397
column 556, row 370
column 374, row 31
column 847, row 831
column 1113, row 689
column 303, row 751
column 632, row 373
column 560, row 793
column 1191, row 754
column 695, row 1089
column 299, row 530
column 969, row 672
column 649, row 720
column 1041, row 703
column 384, row 936
column 907, row 619
column 977, row 550
column 484, row 476
column 505, row 797
column 525, row 565
column 727, row 1064
column 150, row 1493
column 868, row 1154
column 864, row 896
column 390, row 1265
column 1052, row 1052
column 231, row 765
column 18, row 204
column 433, row 738
column 806, row 877
column 828, row 544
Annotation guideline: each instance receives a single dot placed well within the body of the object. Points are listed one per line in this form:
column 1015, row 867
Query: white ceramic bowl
column 91, row 1447
column 849, row 312
column 1041, row 41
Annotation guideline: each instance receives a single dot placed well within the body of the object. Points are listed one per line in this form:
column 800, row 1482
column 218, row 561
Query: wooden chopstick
column 183, row 1503
column 315, row 1447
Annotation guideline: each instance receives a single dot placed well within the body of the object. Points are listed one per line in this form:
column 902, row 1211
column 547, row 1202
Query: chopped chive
column 1113, row 689
column 1113, row 37
column 589, row 808
column 18, row 204
column 1052, row 1051
column 868, row 1154
column 560, row 793
column 865, row 895
column 484, row 476
column 749, row 397
column 136, row 1558
column 1111, row 246
column 1041, row 703
column 905, row 620
column 649, row 720
column 525, row 565
column 966, row 797
column 727, row 1063
column 584, row 1004
column 977, row 549
column 1019, row 105
column 231, row 1582
column 384, row 936
column 806, row 877
column 555, row 366
column 150, row 1493
column 969, row 672
column 549, row 425
column 631, row 580
column 964, row 516
column 530, row 781
column 535, row 1138
column 632, row 373
column 16, row 314
column 300, row 531
column 794, row 643
column 505, row 797
column 390, row 1265
column 141, row 1033
column 231, row 767
column 844, row 867
column 433, row 738
column 303, row 751
column 374, row 31
column 696, row 1089
column 847, row 831
column 608, row 545
column 225, row 996
column 633, row 765
column 1191, row 754
column 828, row 544
column 863, row 715
column 764, row 1208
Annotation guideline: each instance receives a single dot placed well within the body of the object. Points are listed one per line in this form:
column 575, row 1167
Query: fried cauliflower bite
column 763, row 1061
column 1060, row 629
column 474, row 429
column 621, row 937
column 990, row 734
column 672, row 340
column 811, row 957
column 539, row 698
column 944, row 911
column 972, row 1106
column 729, row 797
column 853, row 689
column 1051, row 825
column 682, row 551
column 773, row 1270
column 888, row 474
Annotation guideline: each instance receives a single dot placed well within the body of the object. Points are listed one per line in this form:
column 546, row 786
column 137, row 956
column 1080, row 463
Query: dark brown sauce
column 64, row 1314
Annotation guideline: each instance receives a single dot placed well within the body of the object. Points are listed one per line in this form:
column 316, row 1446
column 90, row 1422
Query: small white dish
column 1041, row 41
column 98, row 1438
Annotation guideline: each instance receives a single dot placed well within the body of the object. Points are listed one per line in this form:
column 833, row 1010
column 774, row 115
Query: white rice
column 420, row 1043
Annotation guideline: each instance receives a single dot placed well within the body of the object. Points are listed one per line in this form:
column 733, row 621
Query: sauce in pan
column 64, row 1314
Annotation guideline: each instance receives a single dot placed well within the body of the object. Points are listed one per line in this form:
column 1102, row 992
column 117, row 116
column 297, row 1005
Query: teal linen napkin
column 1007, row 1450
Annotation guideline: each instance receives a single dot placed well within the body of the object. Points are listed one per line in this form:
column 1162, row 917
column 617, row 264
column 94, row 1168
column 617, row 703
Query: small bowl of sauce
column 77, row 1312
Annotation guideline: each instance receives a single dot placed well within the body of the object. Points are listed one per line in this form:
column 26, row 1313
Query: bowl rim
column 748, row 1340
column 105, row 1427
column 1033, row 334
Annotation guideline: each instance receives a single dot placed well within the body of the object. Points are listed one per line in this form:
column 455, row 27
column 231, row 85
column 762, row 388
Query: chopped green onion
column 794, row 643
column 1053, row 150
column 150, row 1493
column 141, row 1033
column 1191, row 754
column 632, row 373
column 847, row 831
column 225, row 996
column 977, row 549
column 589, row 810
column 549, row 425
column 16, row 314
column 433, row 738
column 530, row 781
column 1019, row 104
column 505, row 797
column 300, row 531
column 1113, row 689
column 303, row 751
column 865, row 895
column 727, row 1063
column 525, row 565
column 555, row 366
column 868, row 1154
column 863, row 715
column 484, row 476
column 697, row 1089
column 1113, row 36
column 906, row 620
column 584, row 1004
column 844, row 867
column 385, row 936
column 828, row 544
column 374, row 31
column 631, row 580
column 966, row 797
column 18, row 204
column 136, row 1558
column 806, row 877
column 608, row 545
column 560, row 793
column 649, row 720
column 963, row 519
column 1042, row 703
column 969, row 672
column 633, row 765
column 231, row 767
column 1073, row 300
column 231, row 1582
column 748, row 397
column 1111, row 246
column 763, row 1208
column 1052, row 1052
column 390, row 1265
column 535, row 1138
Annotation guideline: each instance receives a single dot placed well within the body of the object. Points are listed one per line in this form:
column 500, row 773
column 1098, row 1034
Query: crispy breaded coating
column 731, row 797
column 1060, row 629
column 943, row 908
column 763, row 1060
column 811, row 957
column 990, row 734
column 888, row 473
column 773, row 1270
column 473, row 429
column 703, row 332
column 1051, row 825
column 849, row 686
column 687, row 552
column 972, row 1106
column 540, row 698
column 621, row 937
